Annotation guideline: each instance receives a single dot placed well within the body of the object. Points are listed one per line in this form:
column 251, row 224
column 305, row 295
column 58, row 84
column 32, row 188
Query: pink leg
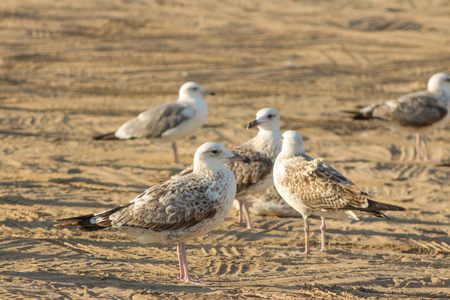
column 418, row 150
column 307, row 249
column 240, row 220
column 243, row 209
column 180, row 260
column 424, row 148
column 175, row 153
column 323, row 227
column 184, row 272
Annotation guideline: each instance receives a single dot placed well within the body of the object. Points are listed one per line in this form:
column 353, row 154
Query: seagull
column 169, row 121
column 417, row 112
column 270, row 203
column 262, row 150
column 314, row 188
column 177, row 210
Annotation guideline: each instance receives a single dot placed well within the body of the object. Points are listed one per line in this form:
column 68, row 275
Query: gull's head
column 193, row 90
column 266, row 119
column 439, row 82
column 214, row 155
column 292, row 143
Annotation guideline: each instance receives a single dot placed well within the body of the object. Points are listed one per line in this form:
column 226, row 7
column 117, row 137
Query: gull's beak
column 253, row 124
column 209, row 93
column 241, row 158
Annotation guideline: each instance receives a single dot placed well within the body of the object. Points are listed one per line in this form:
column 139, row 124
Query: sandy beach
column 72, row 69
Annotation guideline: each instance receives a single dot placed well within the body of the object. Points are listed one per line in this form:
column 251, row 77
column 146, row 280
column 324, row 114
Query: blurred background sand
column 73, row 69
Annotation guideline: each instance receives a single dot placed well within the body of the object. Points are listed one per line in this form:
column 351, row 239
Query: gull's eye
column 270, row 116
column 215, row 151
column 194, row 88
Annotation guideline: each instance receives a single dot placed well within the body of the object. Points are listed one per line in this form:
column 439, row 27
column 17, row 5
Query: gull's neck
column 193, row 100
column 201, row 168
column 436, row 87
column 291, row 150
column 268, row 141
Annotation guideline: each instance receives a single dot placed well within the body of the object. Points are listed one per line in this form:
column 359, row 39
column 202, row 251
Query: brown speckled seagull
column 314, row 188
column 177, row 210
column 262, row 150
column 169, row 121
column 417, row 112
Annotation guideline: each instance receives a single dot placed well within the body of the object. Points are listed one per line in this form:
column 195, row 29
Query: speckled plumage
column 314, row 188
column 262, row 150
column 254, row 177
column 177, row 210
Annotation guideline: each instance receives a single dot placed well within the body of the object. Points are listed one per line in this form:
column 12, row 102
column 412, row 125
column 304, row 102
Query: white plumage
column 169, row 121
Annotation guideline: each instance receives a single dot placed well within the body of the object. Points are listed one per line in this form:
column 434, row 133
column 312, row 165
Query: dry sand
column 72, row 69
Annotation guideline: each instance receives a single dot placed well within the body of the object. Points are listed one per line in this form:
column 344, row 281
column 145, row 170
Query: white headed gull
column 176, row 210
column 169, row 121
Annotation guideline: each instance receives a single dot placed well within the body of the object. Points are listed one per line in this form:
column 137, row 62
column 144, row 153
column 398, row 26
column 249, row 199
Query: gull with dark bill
column 169, row 121
column 314, row 188
column 417, row 112
column 176, row 210
column 262, row 150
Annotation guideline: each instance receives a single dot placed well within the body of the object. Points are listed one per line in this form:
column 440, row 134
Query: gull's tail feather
column 106, row 137
column 365, row 113
column 375, row 208
column 92, row 222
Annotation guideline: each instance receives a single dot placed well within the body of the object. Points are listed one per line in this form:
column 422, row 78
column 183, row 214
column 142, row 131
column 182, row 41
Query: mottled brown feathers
column 159, row 208
column 322, row 186
column 248, row 174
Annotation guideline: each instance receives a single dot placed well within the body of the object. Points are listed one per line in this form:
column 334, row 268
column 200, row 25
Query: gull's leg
column 184, row 272
column 241, row 203
column 180, row 260
column 323, row 227
column 244, row 209
column 424, row 148
column 175, row 153
column 247, row 215
column 307, row 249
column 418, row 152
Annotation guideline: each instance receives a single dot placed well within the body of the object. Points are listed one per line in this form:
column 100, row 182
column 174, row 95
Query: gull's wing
column 249, row 174
column 154, row 122
column 319, row 186
column 175, row 204
column 413, row 110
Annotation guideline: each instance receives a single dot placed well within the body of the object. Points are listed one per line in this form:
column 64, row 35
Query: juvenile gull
column 417, row 112
column 169, row 121
column 315, row 188
column 177, row 210
column 262, row 150
column 270, row 203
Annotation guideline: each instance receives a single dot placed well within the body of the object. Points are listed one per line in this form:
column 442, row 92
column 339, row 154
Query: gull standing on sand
column 169, row 121
column 262, row 150
column 315, row 188
column 177, row 210
column 417, row 112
